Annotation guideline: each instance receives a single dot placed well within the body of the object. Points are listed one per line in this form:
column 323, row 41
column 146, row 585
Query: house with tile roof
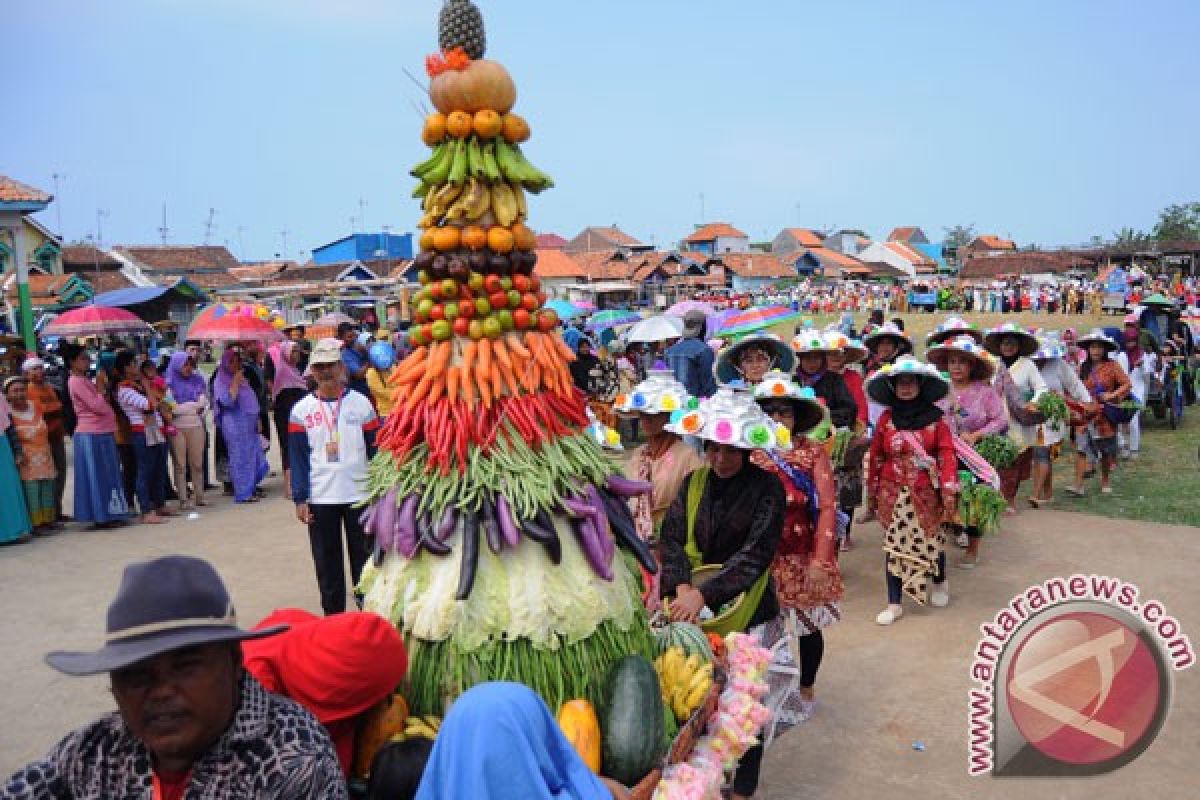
column 789, row 240
column 748, row 272
column 1001, row 264
column 910, row 234
column 100, row 268
column 550, row 241
column 848, row 241
column 557, row 270
column 366, row 248
column 898, row 255
column 717, row 238
column 49, row 293
column 987, row 243
column 43, row 248
column 206, row 266
column 597, row 240
column 823, row 262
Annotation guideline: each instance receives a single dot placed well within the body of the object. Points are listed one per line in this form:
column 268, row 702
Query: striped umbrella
column 97, row 321
column 612, row 318
column 756, row 319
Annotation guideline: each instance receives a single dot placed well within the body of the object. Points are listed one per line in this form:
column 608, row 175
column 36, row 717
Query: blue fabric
column 99, row 488
column 354, row 362
column 151, row 473
column 572, row 336
column 692, row 362
column 184, row 390
column 299, row 451
column 14, row 522
column 499, row 741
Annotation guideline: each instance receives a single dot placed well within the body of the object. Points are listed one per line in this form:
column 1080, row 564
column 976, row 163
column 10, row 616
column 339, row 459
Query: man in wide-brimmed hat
column 190, row 721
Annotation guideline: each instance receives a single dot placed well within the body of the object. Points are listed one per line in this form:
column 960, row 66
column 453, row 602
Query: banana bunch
column 416, row 727
column 683, row 680
column 471, row 204
column 508, row 204
column 517, row 169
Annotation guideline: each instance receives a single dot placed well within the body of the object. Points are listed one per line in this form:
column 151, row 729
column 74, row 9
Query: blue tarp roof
column 130, row 297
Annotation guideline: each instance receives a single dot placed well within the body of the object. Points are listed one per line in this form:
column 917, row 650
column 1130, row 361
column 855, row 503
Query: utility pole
column 101, row 213
column 241, row 247
column 284, row 234
column 163, row 231
column 58, row 178
column 209, row 226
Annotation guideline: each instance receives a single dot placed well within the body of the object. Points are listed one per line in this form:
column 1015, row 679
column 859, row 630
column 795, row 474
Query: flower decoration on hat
column 809, row 341
column 953, row 327
column 660, row 393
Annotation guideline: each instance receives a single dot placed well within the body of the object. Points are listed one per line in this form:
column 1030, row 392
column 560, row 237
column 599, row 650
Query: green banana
column 506, row 160
column 535, row 180
column 475, row 159
column 441, row 172
column 422, row 190
column 458, row 169
column 428, row 165
column 490, row 168
column 522, row 203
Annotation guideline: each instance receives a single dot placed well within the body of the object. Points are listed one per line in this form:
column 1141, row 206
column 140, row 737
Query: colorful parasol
column 684, row 306
column 237, row 323
column 585, row 305
column 564, row 309
column 756, row 319
column 611, row 318
column 97, row 321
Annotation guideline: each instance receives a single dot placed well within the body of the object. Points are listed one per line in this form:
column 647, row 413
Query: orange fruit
column 446, row 239
column 523, row 237
column 459, row 124
column 500, row 239
column 474, row 237
column 488, row 124
column 435, row 129
column 427, row 239
column 516, row 129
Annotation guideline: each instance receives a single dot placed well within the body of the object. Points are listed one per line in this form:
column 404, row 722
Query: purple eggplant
column 547, row 537
column 625, row 532
column 385, row 518
column 470, row 556
column 600, row 520
column 366, row 520
column 626, row 487
column 447, row 524
column 508, row 527
column 491, row 528
column 378, row 552
column 593, row 550
column 433, row 545
column 578, row 507
column 405, row 531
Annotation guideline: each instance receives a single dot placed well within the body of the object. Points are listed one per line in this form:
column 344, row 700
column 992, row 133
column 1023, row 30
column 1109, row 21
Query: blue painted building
column 365, row 247
column 934, row 251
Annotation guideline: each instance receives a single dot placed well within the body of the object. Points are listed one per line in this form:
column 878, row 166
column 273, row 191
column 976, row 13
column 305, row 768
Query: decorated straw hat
column 953, row 327
column 603, row 435
column 881, row 385
column 983, row 366
column 888, row 331
column 660, row 393
column 781, row 355
column 1027, row 342
column 809, row 340
column 730, row 417
column 777, row 385
column 1098, row 336
column 852, row 349
column 1050, row 350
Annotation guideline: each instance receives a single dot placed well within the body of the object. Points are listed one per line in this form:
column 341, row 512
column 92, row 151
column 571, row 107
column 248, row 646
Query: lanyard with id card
column 333, row 445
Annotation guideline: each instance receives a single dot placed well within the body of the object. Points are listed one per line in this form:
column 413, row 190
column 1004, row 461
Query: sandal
column 1076, row 491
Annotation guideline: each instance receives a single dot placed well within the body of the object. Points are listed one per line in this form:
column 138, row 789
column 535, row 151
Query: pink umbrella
column 233, row 328
column 96, row 321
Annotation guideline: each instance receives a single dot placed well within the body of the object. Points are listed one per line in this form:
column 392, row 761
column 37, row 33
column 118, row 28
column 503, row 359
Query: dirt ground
column 880, row 690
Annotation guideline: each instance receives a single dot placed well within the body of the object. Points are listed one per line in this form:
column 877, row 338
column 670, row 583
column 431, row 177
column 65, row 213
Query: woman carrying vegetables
column 807, row 580
column 663, row 461
column 912, row 482
column 1062, row 382
column 1109, row 386
column 973, row 410
column 728, row 513
column 1021, row 385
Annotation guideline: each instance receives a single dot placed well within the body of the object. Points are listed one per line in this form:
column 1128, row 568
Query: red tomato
column 498, row 300
column 462, row 325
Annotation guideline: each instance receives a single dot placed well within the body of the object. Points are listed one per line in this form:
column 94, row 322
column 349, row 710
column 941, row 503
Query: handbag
column 1014, row 401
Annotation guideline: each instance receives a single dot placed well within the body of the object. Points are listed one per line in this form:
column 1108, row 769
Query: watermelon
column 632, row 722
column 686, row 636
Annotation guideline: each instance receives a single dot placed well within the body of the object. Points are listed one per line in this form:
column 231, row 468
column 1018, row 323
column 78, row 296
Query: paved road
column 880, row 689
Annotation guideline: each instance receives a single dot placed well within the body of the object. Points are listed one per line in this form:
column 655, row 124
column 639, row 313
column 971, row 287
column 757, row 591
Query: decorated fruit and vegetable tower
column 496, row 517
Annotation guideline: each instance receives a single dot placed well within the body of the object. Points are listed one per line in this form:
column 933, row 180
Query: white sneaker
column 889, row 615
column 940, row 596
column 962, row 540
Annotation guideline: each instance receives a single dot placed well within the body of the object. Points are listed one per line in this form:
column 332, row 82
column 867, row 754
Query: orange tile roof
column 260, row 271
column 550, row 241
column 910, row 254
column 606, row 266
column 85, row 258
column 13, row 191
column 756, row 265
column 554, row 263
column 696, row 256
column 108, row 281
column 903, row 234
column 991, row 242
column 598, row 239
column 712, row 230
column 805, row 237
column 842, row 260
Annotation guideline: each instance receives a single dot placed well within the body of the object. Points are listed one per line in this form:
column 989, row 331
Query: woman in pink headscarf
column 287, row 388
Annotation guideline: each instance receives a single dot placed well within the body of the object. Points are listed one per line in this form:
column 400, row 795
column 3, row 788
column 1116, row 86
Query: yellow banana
column 523, row 209
column 434, row 722
column 460, row 209
column 504, row 204
column 697, row 695
column 442, row 198
column 479, row 200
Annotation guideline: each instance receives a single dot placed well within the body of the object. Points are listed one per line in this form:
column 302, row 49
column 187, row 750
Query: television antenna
column 209, row 225
column 163, row 230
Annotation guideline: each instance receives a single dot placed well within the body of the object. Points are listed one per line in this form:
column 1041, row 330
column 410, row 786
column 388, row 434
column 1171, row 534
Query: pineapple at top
column 460, row 24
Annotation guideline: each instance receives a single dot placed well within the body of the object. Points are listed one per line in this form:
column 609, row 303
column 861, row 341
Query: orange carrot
column 485, row 355
column 485, row 393
column 452, row 383
column 468, row 354
column 563, row 350
column 529, row 377
column 497, row 382
column 437, row 387
column 440, row 357
column 501, row 353
column 516, row 346
column 420, row 389
column 467, row 384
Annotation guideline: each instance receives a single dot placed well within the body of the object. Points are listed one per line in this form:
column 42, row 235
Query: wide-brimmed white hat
column 888, row 331
column 851, row 349
column 660, row 393
column 953, row 327
column 809, row 340
column 881, row 385
column 1027, row 342
column 731, row 417
column 983, row 367
column 777, row 385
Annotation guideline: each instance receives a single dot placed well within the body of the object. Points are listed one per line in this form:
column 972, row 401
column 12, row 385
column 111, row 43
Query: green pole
column 27, row 318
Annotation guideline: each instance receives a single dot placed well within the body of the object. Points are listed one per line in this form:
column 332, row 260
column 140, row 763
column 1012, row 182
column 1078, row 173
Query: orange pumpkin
column 435, row 129
column 516, row 129
column 500, row 239
column 459, row 124
column 523, row 237
column 579, row 724
column 446, row 239
column 378, row 727
column 483, row 84
column 427, row 239
column 488, row 124
column 474, row 237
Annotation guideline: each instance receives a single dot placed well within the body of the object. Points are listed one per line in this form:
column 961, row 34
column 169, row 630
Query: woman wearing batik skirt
column 912, row 482
column 1020, row 384
column 1109, row 386
column 807, row 580
column 36, row 459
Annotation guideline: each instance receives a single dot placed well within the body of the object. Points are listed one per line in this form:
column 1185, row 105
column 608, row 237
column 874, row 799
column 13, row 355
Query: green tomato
column 442, row 330
column 482, row 307
column 492, row 328
column 506, row 319
column 451, row 311
column 475, row 330
column 475, row 281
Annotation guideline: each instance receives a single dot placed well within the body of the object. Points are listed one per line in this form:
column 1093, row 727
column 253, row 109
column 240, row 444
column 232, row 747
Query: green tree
column 1178, row 221
column 958, row 236
column 1128, row 235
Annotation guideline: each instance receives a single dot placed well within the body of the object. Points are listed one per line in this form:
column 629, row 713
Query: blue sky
column 1046, row 121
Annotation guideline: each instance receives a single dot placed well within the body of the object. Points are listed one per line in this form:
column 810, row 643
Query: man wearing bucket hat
column 725, row 522
column 1109, row 386
column 190, row 721
column 805, row 569
column 1020, row 384
column 912, row 481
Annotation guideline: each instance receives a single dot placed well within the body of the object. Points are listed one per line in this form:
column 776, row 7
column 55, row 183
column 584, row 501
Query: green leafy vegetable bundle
column 1054, row 408
column 999, row 451
column 981, row 506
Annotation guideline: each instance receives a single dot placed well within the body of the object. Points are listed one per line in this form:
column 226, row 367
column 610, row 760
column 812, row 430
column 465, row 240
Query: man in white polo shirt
column 331, row 439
